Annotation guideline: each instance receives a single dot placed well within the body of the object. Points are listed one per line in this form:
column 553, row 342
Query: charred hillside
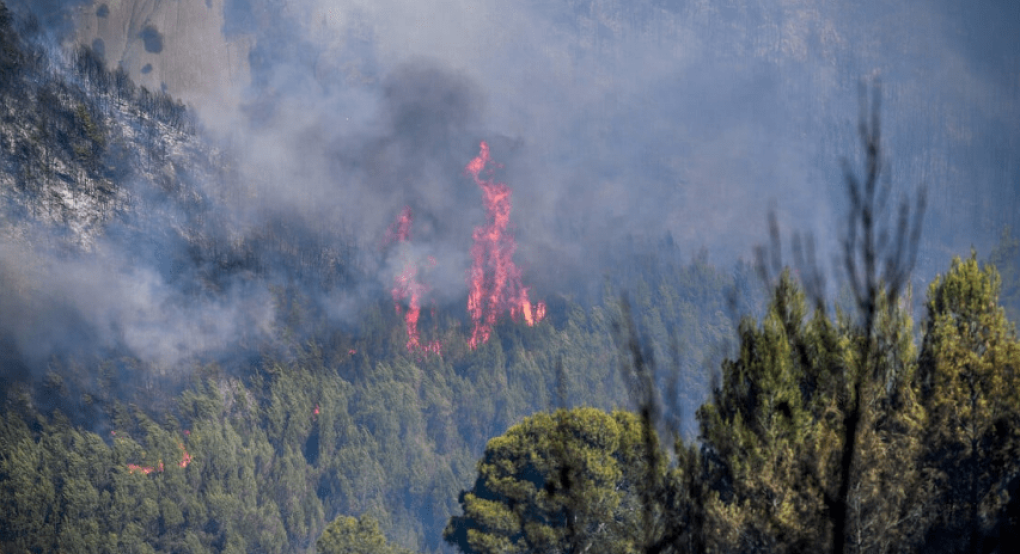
column 122, row 221
column 75, row 134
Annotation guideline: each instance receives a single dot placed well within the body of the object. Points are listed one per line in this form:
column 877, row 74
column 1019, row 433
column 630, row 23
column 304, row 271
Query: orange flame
column 494, row 279
column 407, row 287
column 185, row 460
column 132, row 468
column 400, row 231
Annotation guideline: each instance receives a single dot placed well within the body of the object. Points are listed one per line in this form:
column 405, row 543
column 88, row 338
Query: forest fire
column 407, row 288
column 494, row 279
column 132, row 468
column 185, row 460
column 185, row 457
column 400, row 231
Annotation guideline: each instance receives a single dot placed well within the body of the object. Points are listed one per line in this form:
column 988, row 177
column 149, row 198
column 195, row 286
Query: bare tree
column 878, row 257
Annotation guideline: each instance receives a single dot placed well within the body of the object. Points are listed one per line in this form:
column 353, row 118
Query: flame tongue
column 406, row 286
column 494, row 279
column 401, row 228
column 132, row 468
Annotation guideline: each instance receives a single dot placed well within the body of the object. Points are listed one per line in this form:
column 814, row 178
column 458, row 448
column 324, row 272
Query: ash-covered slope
column 98, row 182
column 83, row 146
column 125, row 233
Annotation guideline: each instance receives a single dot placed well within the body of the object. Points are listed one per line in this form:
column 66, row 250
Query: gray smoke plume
column 613, row 120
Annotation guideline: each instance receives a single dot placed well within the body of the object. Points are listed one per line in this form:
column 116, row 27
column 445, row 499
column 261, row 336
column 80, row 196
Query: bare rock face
column 175, row 46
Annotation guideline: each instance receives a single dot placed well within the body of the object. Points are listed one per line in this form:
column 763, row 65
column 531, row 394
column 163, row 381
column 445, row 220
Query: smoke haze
column 613, row 120
column 637, row 118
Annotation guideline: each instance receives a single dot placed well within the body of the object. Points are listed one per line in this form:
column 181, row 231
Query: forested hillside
column 345, row 426
column 197, row 359
column 832, row 428
column 274, row 432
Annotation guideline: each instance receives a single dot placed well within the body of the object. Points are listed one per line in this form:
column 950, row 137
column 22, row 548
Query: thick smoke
column 642, row 119
column 53, row 305
column 614, row 120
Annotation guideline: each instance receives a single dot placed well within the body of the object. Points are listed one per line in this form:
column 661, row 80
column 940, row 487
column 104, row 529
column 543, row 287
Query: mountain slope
column 77, row 137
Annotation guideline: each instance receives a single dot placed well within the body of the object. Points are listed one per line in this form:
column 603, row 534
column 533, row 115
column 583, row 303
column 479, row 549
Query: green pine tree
column 969, row 371
column 563, row 482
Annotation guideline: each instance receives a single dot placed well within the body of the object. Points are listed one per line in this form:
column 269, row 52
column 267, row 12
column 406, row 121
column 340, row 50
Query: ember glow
column 158, row 468
column 407, row 289
column 494, row 279
column 400, row 231
column 185, row 457
column 132, row 468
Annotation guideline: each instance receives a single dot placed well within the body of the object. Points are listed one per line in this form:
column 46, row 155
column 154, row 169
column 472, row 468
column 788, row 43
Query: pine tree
column 969, row 372
column 349, row 535
column 565, row 482
column 771, row 430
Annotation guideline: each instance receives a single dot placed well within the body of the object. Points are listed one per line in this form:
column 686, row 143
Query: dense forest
column 677, row 406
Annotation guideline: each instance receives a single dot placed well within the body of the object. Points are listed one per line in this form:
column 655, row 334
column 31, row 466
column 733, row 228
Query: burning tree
column 495, row 280
column 407, row 288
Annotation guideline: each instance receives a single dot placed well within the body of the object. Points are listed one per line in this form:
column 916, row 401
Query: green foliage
column 771, row 426
column 90, row 140
column 970, row 384
column 349, row 535
column 887, row 497
column 682, row 312
column 278, row 454
column 563, row 482
column 937, row 446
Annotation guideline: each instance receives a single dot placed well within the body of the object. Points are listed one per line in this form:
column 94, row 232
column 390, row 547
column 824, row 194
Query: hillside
column 267, row 266
column 146, row 323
